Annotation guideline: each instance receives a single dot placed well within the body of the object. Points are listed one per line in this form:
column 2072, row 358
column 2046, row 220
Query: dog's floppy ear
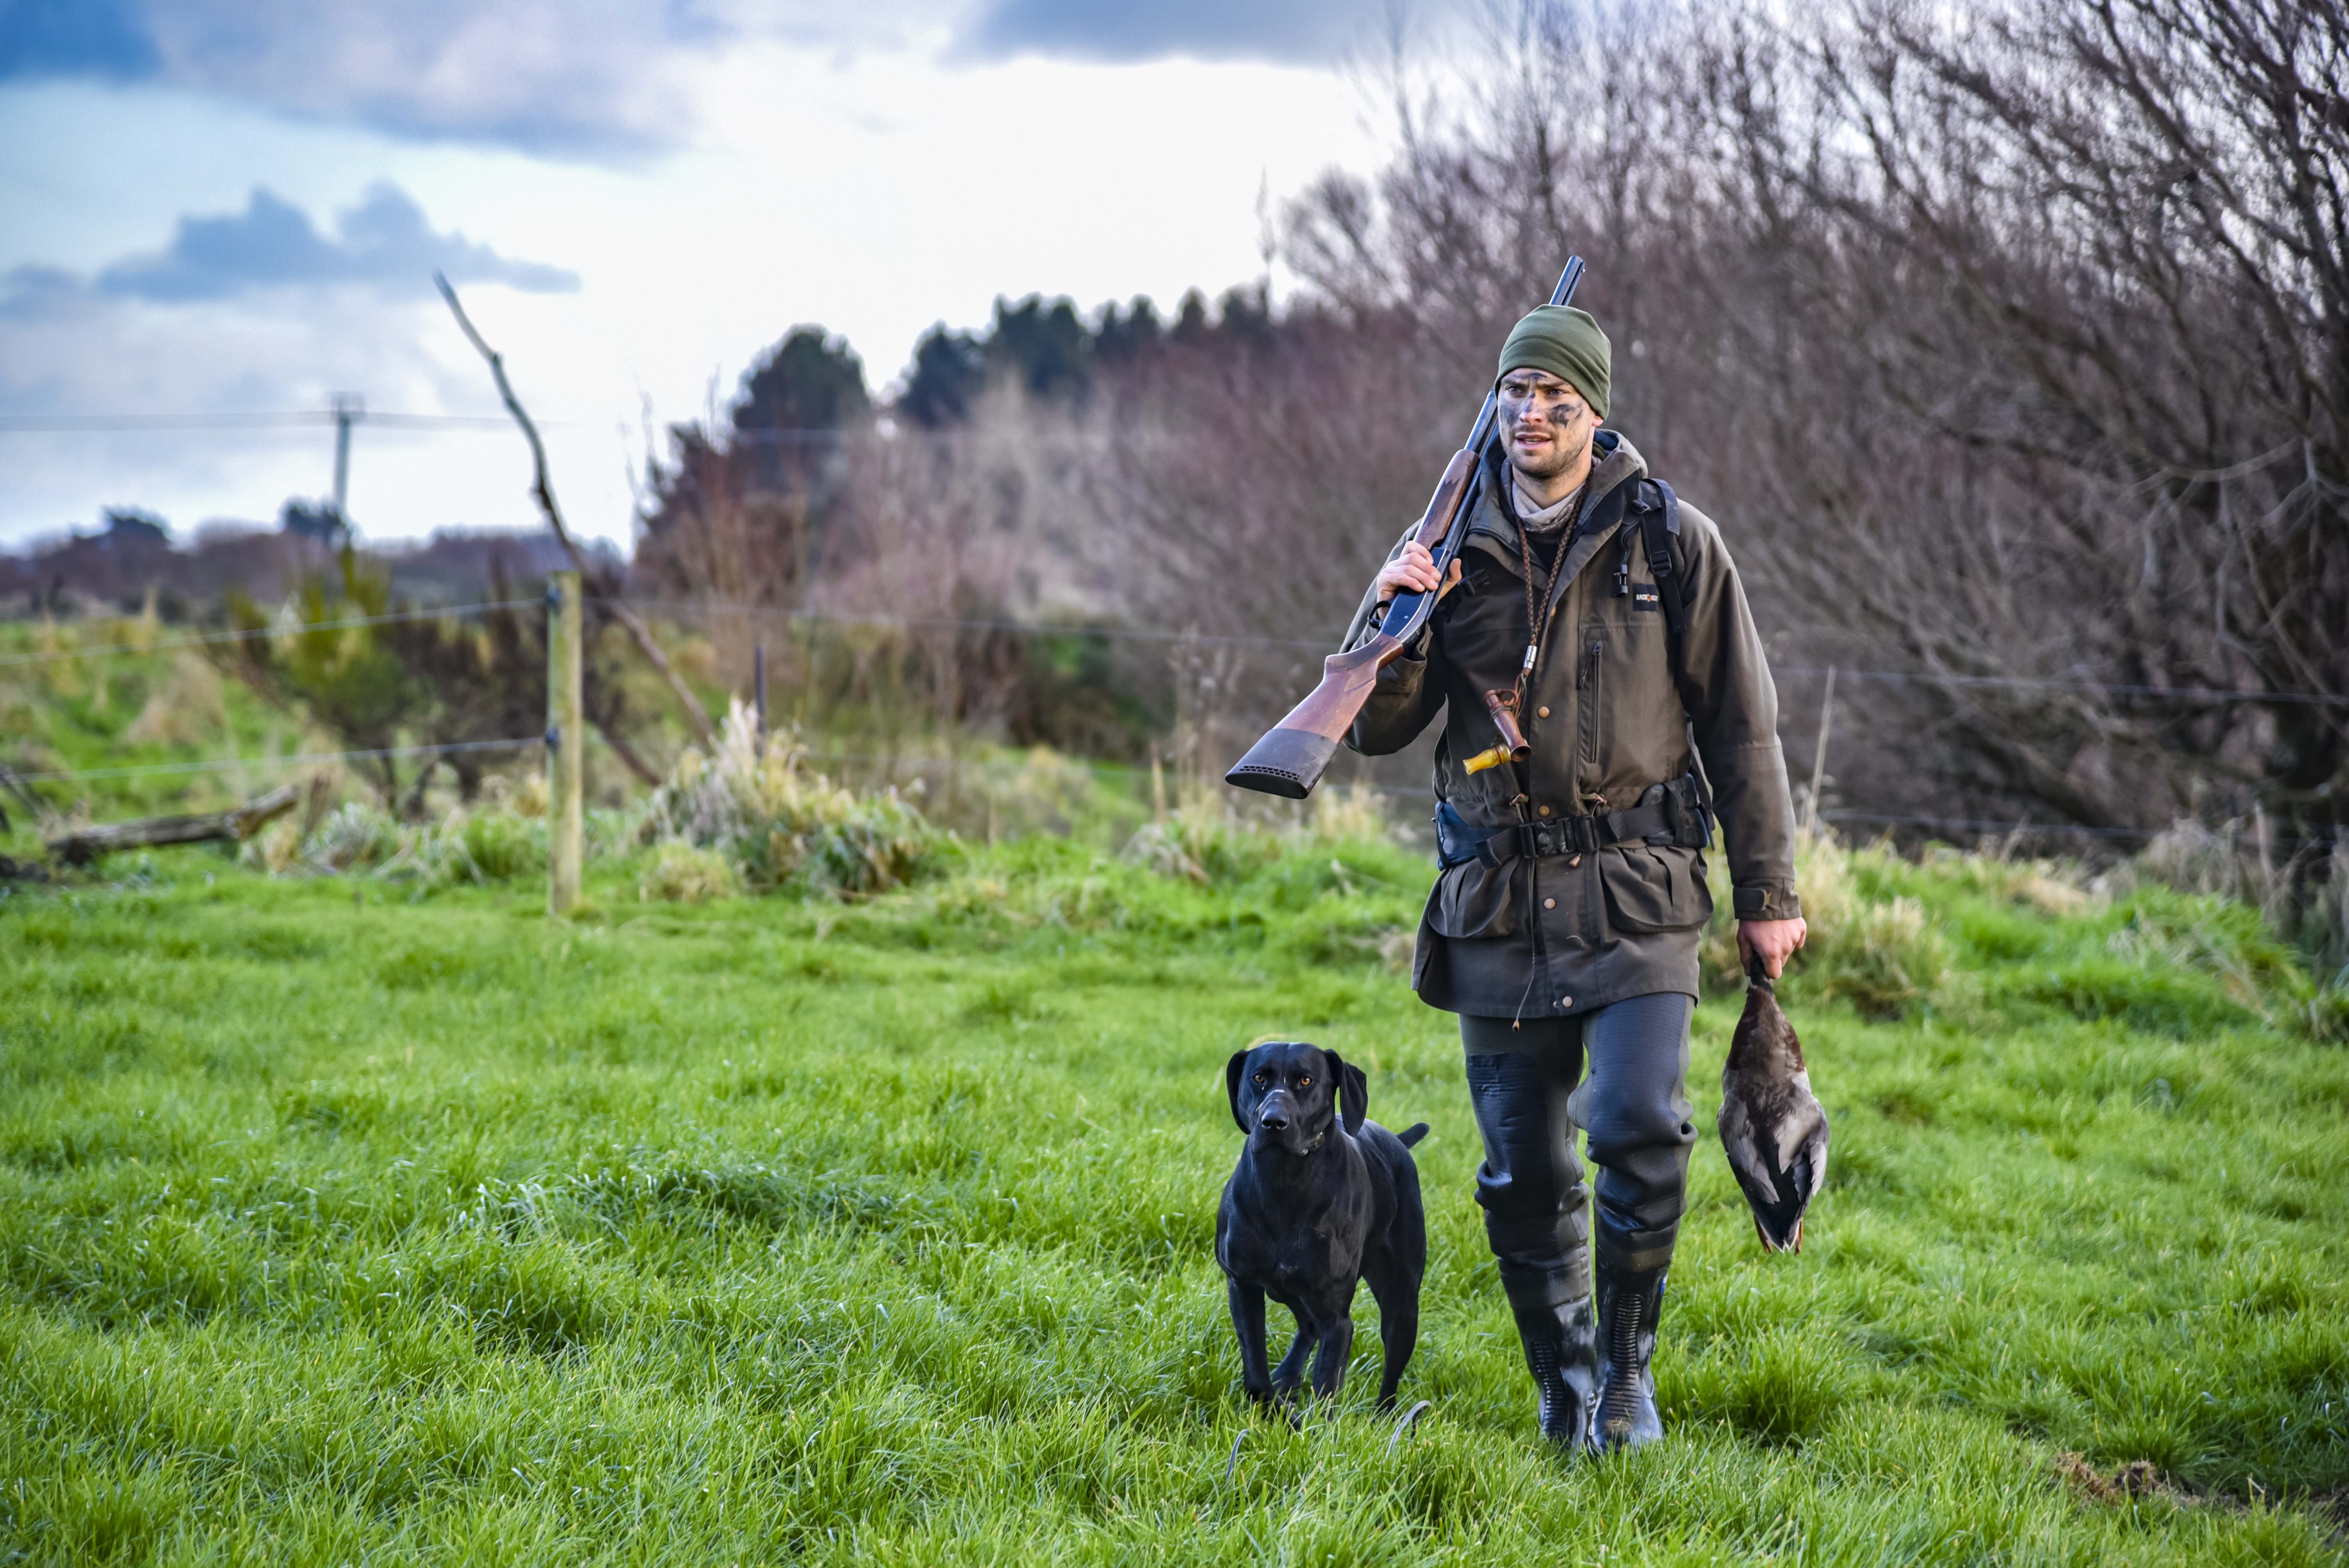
column 1353, row 1092
column 1232, row 1085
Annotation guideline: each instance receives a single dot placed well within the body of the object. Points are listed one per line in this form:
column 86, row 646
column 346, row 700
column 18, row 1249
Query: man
column 1564, row 927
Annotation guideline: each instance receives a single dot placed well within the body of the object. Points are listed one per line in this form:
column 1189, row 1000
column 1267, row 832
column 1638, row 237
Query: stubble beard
column 1561, row 459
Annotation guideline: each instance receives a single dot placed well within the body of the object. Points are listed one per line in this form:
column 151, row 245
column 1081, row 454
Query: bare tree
column 2089, row 259
column 2007, row 344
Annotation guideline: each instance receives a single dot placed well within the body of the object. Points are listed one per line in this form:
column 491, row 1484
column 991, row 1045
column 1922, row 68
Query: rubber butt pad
column 1285, row 762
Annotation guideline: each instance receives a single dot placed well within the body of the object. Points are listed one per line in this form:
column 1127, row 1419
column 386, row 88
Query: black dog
column 1315, row 1205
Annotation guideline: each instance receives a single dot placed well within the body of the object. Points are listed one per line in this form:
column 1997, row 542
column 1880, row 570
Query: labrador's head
column 1287, row 1094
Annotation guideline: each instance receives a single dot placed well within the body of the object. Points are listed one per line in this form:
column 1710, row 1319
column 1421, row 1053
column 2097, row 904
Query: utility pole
column 349, row 409
column 566, row 743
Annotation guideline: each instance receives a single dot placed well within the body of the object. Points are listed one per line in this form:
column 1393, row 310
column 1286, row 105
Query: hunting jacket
column 1550, row 935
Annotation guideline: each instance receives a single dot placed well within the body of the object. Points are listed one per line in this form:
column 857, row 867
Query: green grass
column 139, row 705
column 342, row 1227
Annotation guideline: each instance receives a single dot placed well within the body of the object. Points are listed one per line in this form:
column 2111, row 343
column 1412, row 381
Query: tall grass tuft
column 685, row 873
column 777, row 821
column 1869, row 945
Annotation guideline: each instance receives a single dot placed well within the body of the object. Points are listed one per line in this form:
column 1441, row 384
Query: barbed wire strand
column 1040, row 628
column 1150, row 635
column 918, row 763
column 224, row 764
column 686, row 609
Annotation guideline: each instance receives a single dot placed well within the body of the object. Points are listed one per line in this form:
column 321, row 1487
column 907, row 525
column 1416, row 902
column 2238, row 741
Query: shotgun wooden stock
column 1290, row 758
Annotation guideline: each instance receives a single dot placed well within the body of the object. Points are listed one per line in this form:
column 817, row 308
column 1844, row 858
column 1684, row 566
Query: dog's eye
column 1259, row 1080
column 1305, row 1082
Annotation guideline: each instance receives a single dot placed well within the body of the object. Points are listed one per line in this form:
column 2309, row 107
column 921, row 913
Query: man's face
column 1548, row 424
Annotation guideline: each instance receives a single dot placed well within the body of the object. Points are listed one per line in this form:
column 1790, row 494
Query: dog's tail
column 1412, row 1134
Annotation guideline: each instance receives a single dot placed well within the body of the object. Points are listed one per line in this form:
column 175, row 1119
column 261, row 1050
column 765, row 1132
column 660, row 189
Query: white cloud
column 875, row 191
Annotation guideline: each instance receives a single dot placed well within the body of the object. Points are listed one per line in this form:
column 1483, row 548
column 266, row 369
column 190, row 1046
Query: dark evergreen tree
column 1191, row 319
column 129, row 529
column 1045, row 344
column 811, row 380
column 1119, row 338
column 950, row 367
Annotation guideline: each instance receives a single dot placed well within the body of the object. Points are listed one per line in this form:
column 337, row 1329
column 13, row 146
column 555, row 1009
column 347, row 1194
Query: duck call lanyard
column 1535, row 597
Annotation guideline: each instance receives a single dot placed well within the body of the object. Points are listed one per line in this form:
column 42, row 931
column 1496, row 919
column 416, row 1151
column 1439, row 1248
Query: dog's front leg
column 1291, row 1370
column 1337, row 1345
column 1247, row 1322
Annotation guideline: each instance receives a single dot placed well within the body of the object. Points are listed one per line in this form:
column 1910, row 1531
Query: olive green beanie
column 1567, row 344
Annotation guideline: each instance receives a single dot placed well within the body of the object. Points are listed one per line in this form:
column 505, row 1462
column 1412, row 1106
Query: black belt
column 1666, row 814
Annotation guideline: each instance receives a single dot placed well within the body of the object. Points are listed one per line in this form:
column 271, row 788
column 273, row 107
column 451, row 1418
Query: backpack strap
column 1660, row 531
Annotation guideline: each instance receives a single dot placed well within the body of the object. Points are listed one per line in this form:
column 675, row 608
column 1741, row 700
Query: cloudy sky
column 229, row 207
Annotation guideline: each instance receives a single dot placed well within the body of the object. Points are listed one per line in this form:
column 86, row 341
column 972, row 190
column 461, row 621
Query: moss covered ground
column 341, row 1226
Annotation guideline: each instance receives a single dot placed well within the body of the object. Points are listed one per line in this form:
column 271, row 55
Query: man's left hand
column 1775, row 939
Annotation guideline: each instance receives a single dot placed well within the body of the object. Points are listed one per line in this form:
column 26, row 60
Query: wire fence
column 697, row 609
column 902, row 762
column 920, row 763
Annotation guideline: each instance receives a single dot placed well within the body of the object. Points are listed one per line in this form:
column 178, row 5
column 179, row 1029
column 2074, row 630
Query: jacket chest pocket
column 1623, row 687
column 1589, row 672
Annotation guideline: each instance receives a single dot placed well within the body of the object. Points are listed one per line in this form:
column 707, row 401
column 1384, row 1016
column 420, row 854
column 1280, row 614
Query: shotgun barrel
column 1292, row 756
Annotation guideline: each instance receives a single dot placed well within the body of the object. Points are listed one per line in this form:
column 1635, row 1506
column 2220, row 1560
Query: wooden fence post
column 1820, row 757
column 566, row 743
column 759, row 685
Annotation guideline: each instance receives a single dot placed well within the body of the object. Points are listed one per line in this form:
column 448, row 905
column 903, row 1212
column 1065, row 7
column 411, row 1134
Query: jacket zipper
column 1586, row 683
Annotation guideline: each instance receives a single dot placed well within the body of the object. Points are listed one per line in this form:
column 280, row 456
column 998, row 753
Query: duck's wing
column 1808, row 1168
column 1740, row 1138
column 1776, row 1145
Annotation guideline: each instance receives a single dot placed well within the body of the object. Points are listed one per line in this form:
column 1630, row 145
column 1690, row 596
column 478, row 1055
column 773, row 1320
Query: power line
column 67, row 423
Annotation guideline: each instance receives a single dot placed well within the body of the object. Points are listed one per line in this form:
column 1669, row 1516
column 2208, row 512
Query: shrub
column 480, row 844
column 1205, row 845
column 2323, row 1014
column 683, row 873
column 1880, row 951
column 1037, row 791
column 353, row 836
column 500, row 844
column 775, row 821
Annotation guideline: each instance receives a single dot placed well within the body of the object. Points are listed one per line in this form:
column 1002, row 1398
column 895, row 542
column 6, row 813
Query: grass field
column 340, row 1226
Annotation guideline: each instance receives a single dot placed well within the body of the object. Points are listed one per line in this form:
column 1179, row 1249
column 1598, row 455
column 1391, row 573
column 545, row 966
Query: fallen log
column 81, row 846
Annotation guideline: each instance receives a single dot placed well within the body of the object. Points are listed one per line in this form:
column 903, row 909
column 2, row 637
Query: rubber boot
column 1561, row 1341
column 1629, row 1303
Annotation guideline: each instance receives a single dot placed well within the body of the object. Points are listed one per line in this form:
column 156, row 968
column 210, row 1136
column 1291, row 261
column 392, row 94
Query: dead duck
column 1773, row 1126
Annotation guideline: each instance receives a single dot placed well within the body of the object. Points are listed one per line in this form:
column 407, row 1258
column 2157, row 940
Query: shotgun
column 1290, row 758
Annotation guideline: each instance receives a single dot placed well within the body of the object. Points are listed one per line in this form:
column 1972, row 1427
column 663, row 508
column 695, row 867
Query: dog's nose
column 1273, row 1121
